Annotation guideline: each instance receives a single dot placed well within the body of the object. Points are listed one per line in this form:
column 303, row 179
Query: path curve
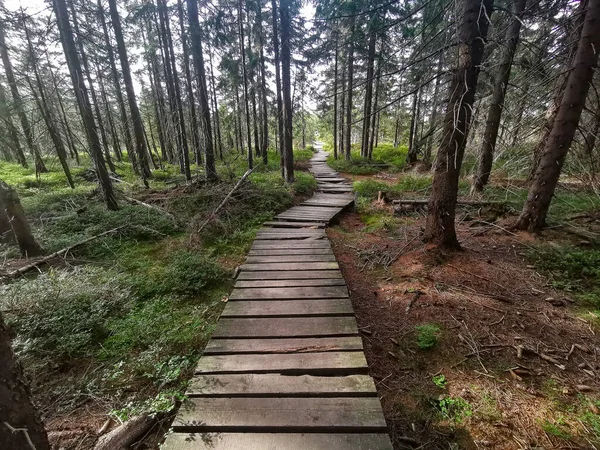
column 285, row 368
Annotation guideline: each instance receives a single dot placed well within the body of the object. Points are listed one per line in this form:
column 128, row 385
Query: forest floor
column 496, row 346
column 116, row 327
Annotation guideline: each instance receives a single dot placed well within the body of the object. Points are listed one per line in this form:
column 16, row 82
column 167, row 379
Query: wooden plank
column 291, row 251
column 282, row 224
column 289, row 345
column 289, row 258
column 281, row 414
column 286, row 308
column 290, row 283
column 289, row 292
column 299, row 243
column 290, row 275
column 271, row 384
column 330, row 363
column 286, row 327
column 275, row 441
column 280, row 237
column 291, row 266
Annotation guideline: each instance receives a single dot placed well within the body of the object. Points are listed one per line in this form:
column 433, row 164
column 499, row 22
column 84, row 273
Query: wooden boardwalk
column 285, row 368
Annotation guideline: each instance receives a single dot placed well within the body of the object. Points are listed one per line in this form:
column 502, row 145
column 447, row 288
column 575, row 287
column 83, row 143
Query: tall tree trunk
column 264, row 144
column 373, row 140
column 534, row 213
column 20, row 425
column 116, row 144
column 10, row 203
column 86, row 69
column 117, row 88
column 83, row 101
column 286, row 56
column 348, row 133
column 365, row 141
column 413, row 149
column 239, row 118
column 40, row 167
column 218, row 138
column 490, row 135
column 433, row 117
column 335, row 100
column 245, row 80
column 472, row 32
column 12, row 129
column 196, row 42
column 341, row 120
column 276, row 62
column 574, row 36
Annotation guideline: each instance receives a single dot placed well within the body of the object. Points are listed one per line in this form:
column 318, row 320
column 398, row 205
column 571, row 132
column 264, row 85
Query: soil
column 490, row 306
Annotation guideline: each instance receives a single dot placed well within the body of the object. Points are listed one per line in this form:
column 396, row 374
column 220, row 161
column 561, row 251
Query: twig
column 24, row 431
column 154, row 207
column 417, row 293
column 218, row 208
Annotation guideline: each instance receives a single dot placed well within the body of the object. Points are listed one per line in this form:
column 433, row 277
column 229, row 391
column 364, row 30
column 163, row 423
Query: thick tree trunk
column 138, row 126
column 472, row 32
column 117, row 86
column 348, row 133
column 10, row 203
column 196, row 42
column 490, row 135
column 20, row 425
column 83, row 101
column 286, row 56
column 365, row 141
column 12, row 129
column 40, row 167
column 276, row 63
column 535, row 210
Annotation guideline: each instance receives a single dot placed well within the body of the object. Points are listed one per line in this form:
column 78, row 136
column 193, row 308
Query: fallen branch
column 218, row 208
column 416, row 296
column 124, row 435
column 425, row 201
column 154, row 207
column 45, row 259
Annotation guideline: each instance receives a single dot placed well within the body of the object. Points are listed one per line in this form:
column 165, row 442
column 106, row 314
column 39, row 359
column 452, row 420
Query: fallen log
column 425, row 201
column 126, row 434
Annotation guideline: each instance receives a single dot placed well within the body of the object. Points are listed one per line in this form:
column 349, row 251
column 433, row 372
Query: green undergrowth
column 129, row 316
column 386, row 158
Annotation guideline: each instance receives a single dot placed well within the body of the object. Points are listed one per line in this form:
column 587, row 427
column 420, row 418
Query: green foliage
column 455, row 409
column 370, row 188
column 556, row 428
column 385, row 158
column 427, row 335
column 304, row 183
column 413, row 183
column 163, row 402
column 572, row 269
column 440, row 381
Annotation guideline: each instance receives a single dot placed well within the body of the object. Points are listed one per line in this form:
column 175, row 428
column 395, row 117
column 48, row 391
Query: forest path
column 285, row 367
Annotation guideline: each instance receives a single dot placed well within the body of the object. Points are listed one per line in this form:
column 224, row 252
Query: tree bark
column 196, row 42
column 218, row 137
column 12, row 129
column 472, row 32
column 433, row 117
column 348, row 133
column 138, row 126
column 413, row 150
column 83, row 101
column 365, row 141
column 20, row 425
column 490, row 135
column 534, row 213
column 335, row 100
column 263, row 86
column 286, row 30
column 276, row 63
column 10, row 203
column 40, row 167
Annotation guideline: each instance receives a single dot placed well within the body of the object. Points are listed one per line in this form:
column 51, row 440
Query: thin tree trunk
column 239, row 119
column 342, row 108
column 335, row 101
column 83, row 102
column 12, row 130
column 276, row 62
column 413, row 150
column 111, row 123
column 245, row 80
column 196, row 42
column 535, row 210
column 263, row 86
column 218, row 137
column 138, row 126
column 287, row 150
column 40, row 167
column 20, row 424
column 348, row 134
column 472, row 32
column 490, row 135
column 433, row 117
column 365, row 141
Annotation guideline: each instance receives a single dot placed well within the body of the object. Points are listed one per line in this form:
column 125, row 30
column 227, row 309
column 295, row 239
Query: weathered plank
column 286, row 327
column 291, row 266
column 282, row 224
column 289, row 345
column 299, row 243
column 291, row 251
column 284, row 308
column 281, row 414
column 274, row 441
column 289, row 292
column 331, row 363
column 290, row 283
column 275, row 384
column 289, row 258
column 290, row 275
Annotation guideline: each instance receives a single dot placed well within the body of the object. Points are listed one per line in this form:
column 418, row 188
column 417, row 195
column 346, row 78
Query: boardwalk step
column 283, row 224
column 290, row 345
column 290, row 251
column 281, row 414
column 290, row 275
column 285, row 308
column 292, row 266
column 290, row 283
column 289, row 292
column 300, row 243
column 270, row 384
column 327, row 363
column 286, row 327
